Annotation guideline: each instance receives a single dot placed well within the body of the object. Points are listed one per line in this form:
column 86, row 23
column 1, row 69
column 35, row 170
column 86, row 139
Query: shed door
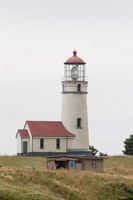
column 24, row 147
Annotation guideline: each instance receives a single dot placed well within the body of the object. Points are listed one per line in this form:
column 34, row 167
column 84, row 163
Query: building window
column 41, row 143
column 63, row 87
column 93, row 163
column 79, row 87
column 78, row 122
column 58, row 144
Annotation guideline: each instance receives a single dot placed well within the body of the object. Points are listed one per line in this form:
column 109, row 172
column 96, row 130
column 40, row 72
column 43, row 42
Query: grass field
column 19, row 183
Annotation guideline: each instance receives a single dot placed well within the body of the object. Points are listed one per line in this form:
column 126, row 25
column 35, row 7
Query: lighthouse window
column 78, row 122
column 79, row 87
column 58, row 144
column 63, row 87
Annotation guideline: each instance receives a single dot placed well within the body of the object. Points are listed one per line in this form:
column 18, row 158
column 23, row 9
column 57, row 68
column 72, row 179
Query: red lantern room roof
column 74, row 59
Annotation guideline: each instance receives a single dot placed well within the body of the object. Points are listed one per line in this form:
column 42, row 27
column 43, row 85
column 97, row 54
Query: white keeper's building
column 70, row 135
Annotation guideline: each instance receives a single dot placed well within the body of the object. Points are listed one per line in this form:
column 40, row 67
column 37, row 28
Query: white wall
column 74, row 105
column 18, row 143
column 27, row 128
column 49, row 145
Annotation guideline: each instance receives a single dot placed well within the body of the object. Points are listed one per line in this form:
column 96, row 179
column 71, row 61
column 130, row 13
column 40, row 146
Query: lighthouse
column 74, row 114
column 70, row 135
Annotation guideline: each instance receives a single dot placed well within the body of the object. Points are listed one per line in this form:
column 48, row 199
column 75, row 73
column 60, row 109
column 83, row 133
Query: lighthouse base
column 80, row 152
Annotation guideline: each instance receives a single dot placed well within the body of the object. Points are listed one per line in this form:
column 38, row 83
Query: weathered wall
column 50, row 164
column 87, row 165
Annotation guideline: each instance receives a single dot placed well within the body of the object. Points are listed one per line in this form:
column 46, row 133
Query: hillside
column 17, row 182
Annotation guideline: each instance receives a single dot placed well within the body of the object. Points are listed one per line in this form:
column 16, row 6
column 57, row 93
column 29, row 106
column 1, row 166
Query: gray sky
column 37, row 36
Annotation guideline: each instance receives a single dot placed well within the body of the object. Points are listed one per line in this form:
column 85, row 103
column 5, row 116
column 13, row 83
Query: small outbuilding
column 75, row 162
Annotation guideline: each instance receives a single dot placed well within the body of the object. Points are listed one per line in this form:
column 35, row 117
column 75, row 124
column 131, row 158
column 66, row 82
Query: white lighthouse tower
column 74, row 104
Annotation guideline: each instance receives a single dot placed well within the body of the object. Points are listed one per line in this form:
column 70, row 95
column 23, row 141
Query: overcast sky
column 37, row 36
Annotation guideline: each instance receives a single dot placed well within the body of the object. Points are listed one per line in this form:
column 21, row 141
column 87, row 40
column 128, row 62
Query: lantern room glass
column 74, row 72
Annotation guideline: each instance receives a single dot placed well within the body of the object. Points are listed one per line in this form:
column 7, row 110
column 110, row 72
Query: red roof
column 48, row 128
column 74, row 59
column 23, row 133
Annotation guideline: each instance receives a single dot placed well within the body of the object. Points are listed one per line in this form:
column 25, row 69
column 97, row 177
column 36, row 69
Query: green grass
column 119, row 165
column 19, row 161
column 18, row 183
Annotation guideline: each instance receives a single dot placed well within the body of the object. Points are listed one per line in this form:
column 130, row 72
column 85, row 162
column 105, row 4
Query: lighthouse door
column 24, row 147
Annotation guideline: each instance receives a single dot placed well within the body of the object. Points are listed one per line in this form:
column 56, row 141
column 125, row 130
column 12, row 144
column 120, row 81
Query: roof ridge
column 48, row 128
column 41, row 121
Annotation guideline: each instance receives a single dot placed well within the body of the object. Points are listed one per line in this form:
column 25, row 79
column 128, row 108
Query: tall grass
column 18, row 183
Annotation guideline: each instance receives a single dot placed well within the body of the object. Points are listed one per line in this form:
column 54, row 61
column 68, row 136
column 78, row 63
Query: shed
column 75, row 162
